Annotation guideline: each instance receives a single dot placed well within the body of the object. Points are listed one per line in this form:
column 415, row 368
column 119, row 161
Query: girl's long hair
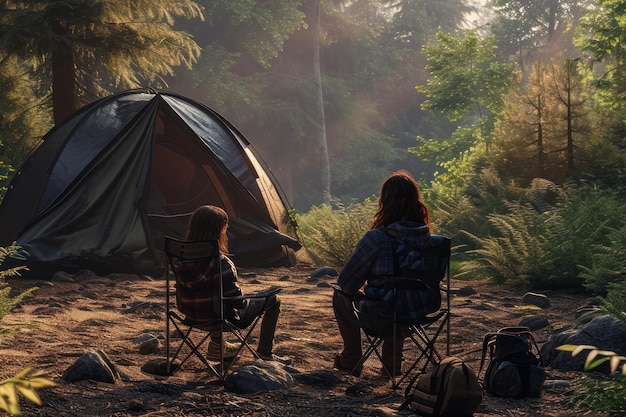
column 209, row 223
column 400, row 199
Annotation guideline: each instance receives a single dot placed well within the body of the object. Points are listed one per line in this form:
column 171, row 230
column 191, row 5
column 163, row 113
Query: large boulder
column 605, row 332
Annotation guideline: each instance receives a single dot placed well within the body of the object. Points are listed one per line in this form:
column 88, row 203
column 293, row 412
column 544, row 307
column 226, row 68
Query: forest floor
column 63, row 319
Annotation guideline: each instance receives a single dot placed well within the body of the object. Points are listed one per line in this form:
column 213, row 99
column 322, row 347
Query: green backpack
column 451, row 389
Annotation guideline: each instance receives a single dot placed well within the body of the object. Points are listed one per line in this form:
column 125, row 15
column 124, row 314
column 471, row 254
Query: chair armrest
column 268, row 292
column 355, row 298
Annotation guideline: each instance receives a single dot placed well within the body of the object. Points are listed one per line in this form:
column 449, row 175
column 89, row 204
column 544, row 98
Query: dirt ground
column 64, row 319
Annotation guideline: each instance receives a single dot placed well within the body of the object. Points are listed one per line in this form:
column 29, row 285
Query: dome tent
column 109, row 182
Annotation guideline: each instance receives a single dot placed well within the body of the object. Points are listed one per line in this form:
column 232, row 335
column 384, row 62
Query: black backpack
column 513, row 369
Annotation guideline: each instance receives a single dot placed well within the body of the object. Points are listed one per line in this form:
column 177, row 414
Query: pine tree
column 84, row 49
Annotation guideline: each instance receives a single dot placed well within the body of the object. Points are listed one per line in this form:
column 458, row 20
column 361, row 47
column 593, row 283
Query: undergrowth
column 332, row 234
column 603, row 393
column 27, row 382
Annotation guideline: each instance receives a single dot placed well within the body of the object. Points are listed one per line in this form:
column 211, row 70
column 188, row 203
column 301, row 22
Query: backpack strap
column 534, row 342
column 408, row 393
column 487, row 340
column 409, row 387
column 438, row 381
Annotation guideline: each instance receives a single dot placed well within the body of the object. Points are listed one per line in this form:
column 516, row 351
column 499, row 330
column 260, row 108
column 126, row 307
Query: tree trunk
column 64, row 101
column 540, row 132
column 321, row 136
column 570, row 67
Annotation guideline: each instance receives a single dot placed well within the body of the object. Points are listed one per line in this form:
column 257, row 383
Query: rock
column 85, row 275
column 538, row 300
column 557, row 383
column 605, row 332
column 534, row 322
column 150, row 345
column 62, row 276
column 588, row 313
column 95, row 366
column 324, row 271
column 464, row 291
column 158, row 367
column 260, row 376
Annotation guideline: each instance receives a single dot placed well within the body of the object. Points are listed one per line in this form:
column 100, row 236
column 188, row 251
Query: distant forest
column 337, row 94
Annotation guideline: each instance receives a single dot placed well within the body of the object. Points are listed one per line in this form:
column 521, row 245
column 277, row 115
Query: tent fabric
column 105, row 187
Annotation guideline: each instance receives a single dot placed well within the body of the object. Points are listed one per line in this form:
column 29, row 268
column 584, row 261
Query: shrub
column 603, row 393
column 608, row 264
column 332, row 234
column 597, row 357
column 26, row 382
column 7, row 302
column 517, row 251
column 561, row 244
column 615, row 301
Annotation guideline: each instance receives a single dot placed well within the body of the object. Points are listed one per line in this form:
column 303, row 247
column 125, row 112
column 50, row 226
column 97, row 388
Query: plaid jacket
column 394, row 251
column 196, row 288
column 373, row 257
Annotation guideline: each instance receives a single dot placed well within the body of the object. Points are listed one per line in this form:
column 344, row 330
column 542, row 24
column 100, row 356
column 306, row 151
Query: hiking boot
column 214, row 354
column 342, row 364
column 271, row 357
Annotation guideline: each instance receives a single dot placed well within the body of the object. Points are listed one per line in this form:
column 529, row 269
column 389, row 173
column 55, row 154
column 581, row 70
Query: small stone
column 538, row 300
column 324, row 271
column 534, row 322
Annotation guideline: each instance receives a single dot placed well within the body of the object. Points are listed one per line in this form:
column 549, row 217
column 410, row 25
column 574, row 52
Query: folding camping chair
column 423, row 332
column 194, row 334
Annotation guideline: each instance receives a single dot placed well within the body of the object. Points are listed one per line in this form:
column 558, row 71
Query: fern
column 608, row 263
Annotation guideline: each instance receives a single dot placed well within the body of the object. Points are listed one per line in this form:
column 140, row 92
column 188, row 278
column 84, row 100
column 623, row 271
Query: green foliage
column 602, row 31
column 603, row 393
column 608, row 263
column 614, row 302
column 532, row 234
column 258, row 29
column 23, row 119
column 109, row 44
column 516, row 253
column 332, row 234
column 7, row 302
column 25, row 383
column 465, row 77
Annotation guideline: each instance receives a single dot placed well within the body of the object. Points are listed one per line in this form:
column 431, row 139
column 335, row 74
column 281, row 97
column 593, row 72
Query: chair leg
column 194, row 349
column 374, row 344
column 426, row 344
